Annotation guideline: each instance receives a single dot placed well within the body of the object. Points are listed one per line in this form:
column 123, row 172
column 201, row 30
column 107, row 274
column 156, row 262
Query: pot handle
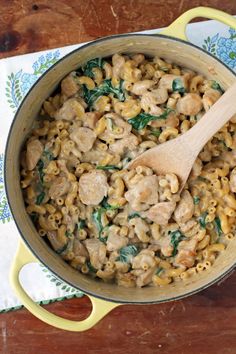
column 99, row 310
column 178, row 28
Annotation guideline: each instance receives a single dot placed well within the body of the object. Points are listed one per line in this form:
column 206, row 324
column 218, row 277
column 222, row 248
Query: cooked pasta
column 132, row 227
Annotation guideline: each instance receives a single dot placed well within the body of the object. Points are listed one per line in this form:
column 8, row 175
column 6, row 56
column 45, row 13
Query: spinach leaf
column 104, row 89
column 159, row 270
column 127, row 253
column 203, row 179
column 93, row 63
column 196, row 199
column 164, row 68
column 216, row 86
column 142, row 119
column 222, row 142
column 90, row 96
column 218, row 226
column 175, row 238
column 107, row 167
column 97, row 218
column 177, row 86
column 103, row 239
column 117, row 91
column 34, row 217
column 40, row 198
column 62, row 249
column 90, row 267
column 125, row 161
column 156, row 132
column 68, row 234
column 48, row 154
column 40, row 167
column 81, row 224
column 202, row 219
column 133, row 215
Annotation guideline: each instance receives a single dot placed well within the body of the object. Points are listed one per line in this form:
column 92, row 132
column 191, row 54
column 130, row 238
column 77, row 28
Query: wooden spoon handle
column 212, row 121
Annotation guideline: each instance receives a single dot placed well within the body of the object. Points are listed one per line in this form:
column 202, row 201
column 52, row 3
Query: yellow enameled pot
column 171, row 44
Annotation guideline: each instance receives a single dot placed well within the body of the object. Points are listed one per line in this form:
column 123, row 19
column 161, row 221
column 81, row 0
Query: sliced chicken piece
column 233, row 119
column 154, row 110
column 232, row 181
column 171, row 121
column 197, row 168
column 93, row 187
column 160, row 213
column 144, row 260
column 185, row 227
column 93, row 156
column 140, row 87
column 166, row 246
column 186, row 253
column 118, row 62
column 116, row 122
column 126, row 280
column 34, row 151
column 229, row 157
column 59, row 244
column 59, row 186
column 166, row 81
column 68, row 86
column 148, row 103
column 84, row 138
column 90, row 119
column 70, row 109
column 143, row 194
column 210, row 97
column 155, row 97
column 128, row 143
column 115, row 241
column 141, row 229
column 122, row 267
column 185, row 208
column 106, row 275
column 190, row 104
column 97, row 252
column 79, row 249
column 146, row 277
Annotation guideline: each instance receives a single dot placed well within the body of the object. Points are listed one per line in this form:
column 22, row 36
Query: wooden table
column 201, row 324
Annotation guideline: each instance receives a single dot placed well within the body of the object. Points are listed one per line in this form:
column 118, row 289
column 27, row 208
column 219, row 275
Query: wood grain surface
column 201, row 324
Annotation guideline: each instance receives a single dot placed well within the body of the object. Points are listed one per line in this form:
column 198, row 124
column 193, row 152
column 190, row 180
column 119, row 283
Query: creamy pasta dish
column 129, row 226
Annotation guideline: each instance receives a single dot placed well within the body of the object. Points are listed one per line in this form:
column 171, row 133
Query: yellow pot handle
column 178, row 27
column 100, row 307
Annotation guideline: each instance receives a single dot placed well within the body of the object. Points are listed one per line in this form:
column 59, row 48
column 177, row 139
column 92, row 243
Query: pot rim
column 100, row 40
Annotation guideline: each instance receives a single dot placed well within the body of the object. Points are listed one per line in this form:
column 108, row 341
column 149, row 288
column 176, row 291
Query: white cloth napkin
column 17, row 76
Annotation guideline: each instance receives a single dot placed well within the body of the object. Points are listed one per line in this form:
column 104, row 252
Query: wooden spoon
column 178, row 155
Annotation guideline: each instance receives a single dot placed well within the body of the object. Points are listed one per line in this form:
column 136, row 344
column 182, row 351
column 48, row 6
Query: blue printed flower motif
column 18, row 84
column 27, row 80
column 227, row 51
column 232, row 33
column 222, row 47
column 5, row 214
column 1, row 169
column 210, row 44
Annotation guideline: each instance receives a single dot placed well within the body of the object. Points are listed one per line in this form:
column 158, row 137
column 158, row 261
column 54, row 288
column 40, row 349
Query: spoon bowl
column 178, row 155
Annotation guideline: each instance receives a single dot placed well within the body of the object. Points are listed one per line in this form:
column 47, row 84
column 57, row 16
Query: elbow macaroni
column 142, row 231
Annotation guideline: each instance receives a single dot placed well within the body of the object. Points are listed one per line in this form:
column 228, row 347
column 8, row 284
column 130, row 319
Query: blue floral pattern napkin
column 18, row 74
